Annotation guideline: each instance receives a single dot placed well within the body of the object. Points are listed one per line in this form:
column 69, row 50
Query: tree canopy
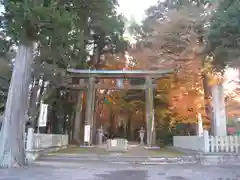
column 64, row 34
column 223, row 35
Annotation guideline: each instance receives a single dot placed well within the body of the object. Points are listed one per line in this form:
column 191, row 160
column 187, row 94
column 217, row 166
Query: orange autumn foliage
column 185, row 86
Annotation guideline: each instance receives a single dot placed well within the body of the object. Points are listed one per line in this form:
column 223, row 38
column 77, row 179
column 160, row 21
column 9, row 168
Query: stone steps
column 121, row 160
column 210, row 159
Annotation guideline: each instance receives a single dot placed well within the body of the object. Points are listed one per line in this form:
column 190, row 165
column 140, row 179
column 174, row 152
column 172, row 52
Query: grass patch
column 166, row 152
column 138, row 151
column 81, row 150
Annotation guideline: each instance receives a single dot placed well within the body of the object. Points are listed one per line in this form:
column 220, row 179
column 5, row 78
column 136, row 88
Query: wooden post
column 90, row 110
column 151, row 132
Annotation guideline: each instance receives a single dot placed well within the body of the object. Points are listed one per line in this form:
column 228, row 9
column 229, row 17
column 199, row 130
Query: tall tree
column 172, row 38
column 23, row 22
column 223, row 35
column 60, row 30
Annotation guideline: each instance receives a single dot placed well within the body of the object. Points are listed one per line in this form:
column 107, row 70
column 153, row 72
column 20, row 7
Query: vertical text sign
column 42, row 120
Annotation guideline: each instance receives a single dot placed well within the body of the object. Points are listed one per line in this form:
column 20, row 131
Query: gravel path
column 63, row 170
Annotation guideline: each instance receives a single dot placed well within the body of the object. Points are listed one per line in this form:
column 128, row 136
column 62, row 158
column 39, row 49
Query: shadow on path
column 127, row 174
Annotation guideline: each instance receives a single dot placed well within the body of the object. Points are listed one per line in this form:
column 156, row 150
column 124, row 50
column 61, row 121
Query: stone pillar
column 90, row 108
column 151, row 132
column 141, row 135
column 219, row 112
column 100, row 135
column 29, row 139
column 30, row 155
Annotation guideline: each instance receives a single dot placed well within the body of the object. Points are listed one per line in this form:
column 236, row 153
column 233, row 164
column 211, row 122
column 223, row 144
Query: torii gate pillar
column 90, row 110
column 150, row 124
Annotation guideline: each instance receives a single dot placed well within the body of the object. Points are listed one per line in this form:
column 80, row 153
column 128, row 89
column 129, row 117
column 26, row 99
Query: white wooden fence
column 224, row 144
column 208, row 144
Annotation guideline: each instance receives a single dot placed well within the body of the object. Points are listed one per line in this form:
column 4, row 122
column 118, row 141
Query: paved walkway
column 105, row 171
column 136, row 150
column 67, row 167
column 71, row 167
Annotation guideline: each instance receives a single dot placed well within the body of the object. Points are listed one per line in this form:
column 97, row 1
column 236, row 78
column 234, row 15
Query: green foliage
column 3, row 92
column 224, row 33
column 171, row 29
column 5, row 70
column 63, row 30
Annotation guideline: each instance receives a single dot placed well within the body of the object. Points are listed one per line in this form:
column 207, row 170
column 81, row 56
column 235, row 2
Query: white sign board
column 42, row 119
column 87, row 133
column 113, row 142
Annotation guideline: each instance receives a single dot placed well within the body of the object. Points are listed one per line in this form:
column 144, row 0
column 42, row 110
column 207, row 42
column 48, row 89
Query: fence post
column 206, row 141
column 30, row 139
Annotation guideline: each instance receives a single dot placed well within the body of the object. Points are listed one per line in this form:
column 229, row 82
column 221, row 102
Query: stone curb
column 109, row 156
column 219, row 159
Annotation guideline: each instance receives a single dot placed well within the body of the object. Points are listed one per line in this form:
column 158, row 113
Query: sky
column 135, row 8
column 131, row 8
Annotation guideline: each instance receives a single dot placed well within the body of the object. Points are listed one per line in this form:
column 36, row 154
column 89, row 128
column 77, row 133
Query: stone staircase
column 116, row 159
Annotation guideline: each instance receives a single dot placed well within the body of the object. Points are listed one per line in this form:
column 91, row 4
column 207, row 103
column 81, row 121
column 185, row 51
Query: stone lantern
column 141, row 135
column 100, row 135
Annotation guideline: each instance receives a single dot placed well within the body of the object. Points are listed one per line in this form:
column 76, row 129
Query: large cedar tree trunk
column 12, row 131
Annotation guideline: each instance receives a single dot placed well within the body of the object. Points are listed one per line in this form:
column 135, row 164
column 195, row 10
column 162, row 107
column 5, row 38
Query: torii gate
column 88, row 77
